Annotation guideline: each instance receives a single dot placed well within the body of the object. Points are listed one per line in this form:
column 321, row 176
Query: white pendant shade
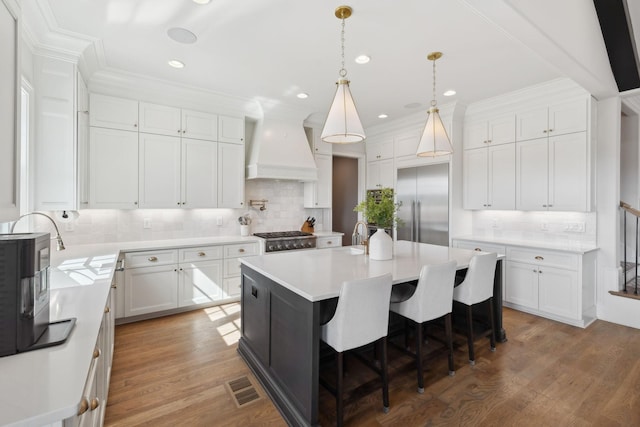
column 343, row 124
column 434, row 141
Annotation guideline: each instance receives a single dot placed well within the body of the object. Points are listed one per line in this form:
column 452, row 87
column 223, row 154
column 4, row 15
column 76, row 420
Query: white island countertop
column 45, row 386
column 318, row 275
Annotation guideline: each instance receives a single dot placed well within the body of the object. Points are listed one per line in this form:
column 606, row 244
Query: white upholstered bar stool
column 432, row 299
column 361, row 318
column 477, row 287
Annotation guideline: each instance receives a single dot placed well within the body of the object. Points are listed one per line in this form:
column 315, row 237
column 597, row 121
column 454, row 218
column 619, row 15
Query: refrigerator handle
column 413, row 219
column 418, row 214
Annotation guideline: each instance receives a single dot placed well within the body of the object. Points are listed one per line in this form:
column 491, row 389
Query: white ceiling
column 270, row 50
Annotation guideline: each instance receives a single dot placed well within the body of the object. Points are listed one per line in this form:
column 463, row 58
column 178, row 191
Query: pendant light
column 343, row 124
column 434, row 141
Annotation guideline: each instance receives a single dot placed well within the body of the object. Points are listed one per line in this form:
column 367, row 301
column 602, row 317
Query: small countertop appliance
column 24, row 295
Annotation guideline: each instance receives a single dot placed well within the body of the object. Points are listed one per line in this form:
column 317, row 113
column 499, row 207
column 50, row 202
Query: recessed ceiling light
column 382, row 116
column 413, row 105
column 450, row 92
column 181, row 35
column 363, row 59
column 302, row 95
column 176, row 64
column 202, row 1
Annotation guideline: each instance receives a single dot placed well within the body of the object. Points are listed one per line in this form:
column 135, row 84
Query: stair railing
column 635, row 212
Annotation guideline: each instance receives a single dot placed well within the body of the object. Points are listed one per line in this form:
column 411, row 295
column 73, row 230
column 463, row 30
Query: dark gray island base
column 281, row 341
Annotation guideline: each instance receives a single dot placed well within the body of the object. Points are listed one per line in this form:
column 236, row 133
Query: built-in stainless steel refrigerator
column 424, row 194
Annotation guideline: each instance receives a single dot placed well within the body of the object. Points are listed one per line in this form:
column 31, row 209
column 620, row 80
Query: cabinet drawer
column 201, row 253
column 543, row 257
column 241, row 249
column 481, row 247
column 232, row 287
column 328, row 242
column 150, row 258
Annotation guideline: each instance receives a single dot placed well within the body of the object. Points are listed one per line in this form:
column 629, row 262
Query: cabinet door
column 475, row 135
column 200, row 283
column 558, row 292
column 522, row 284
column 159, row 174
column 568, row 172
column 475, row 172
column 568, row 117
column 532, row 124
column 373, row 175
column 160, row 119
column 113, row 113
column 199, row 174
column 318, row 194
column 380, row 150
column 407, row 144
column 150, row 289
column 532, row 175
column 55, row 165
column 82, row 120
column 502, row 176
column 502, row 130
column 387, row 174
column 10, row 39
column 319, row 146
column 198, row 125
column 231, row 129
column 230, row 175
column 113, row 169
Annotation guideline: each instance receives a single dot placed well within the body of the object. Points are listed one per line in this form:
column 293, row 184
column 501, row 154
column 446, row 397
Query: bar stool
column 361, row 318
column 432, row 299
column 477, row 287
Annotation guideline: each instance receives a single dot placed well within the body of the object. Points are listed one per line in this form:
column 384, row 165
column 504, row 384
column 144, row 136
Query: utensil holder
column 244, row 230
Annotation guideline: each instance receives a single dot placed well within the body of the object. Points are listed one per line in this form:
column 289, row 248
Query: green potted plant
column 380, row 209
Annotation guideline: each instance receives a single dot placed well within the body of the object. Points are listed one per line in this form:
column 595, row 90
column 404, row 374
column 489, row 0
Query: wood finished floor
column 172, row 371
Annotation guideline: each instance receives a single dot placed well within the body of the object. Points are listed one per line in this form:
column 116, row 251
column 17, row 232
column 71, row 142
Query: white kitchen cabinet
column 10, row 75
column 380, row 174
column 523, row 285
column 160, row 119
column 231, row 129
column 553, row 173
column 232, row 255
column 406, row 144
column 159, row 171
column 199, row 125
column 201, row 275
column 328, row 242
column 199, row 174
column 556, row 119
column 113, row 169
column 230, row 175
column 317, row 194
column 113, row 113
column 490, row 177
column 82, row 120
column 317, row 145
column 494, row 131
column 151, row 289
column 54, row 170
column 380, row 150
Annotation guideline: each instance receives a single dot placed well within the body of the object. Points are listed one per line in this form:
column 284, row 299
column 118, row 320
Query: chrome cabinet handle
column 152, row 259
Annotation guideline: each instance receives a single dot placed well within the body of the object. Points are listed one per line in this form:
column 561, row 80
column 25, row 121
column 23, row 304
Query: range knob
column 279, row 248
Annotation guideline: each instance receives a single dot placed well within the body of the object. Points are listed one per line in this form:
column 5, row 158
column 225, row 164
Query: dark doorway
column 345, row 196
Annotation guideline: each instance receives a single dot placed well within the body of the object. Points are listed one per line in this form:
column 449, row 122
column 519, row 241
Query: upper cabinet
column 494, row 131
column 9, row 111
column 55, row 169
column 113, row 113
column 555, row 119
column 171, row 121
column 231, row 129
column 317, row 194
column 317, row 145
column 380, row 150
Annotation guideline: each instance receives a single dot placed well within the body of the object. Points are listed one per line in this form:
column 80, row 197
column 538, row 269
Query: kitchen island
column 285, row 296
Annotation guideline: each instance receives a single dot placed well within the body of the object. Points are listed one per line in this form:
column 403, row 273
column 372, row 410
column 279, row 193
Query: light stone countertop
column 318, row 275
column 564, row 246
column 44, row 386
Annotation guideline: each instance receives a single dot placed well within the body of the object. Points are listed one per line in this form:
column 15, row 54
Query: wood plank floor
column 172, row 371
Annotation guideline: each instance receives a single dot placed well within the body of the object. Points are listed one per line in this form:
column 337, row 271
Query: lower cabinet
column 329, row 242
column 169, row 279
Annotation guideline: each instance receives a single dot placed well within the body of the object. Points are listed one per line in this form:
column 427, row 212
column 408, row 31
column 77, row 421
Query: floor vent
column 242, row 391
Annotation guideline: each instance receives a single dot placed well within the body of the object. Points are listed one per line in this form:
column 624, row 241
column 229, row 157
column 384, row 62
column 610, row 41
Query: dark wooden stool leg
column 339, row 386
column 448, row 329
column 419, row 357
column 384, row 374
column 472, row 356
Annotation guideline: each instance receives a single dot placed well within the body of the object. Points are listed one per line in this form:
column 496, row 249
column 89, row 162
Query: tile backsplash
column 552, row 227
column 284, row 211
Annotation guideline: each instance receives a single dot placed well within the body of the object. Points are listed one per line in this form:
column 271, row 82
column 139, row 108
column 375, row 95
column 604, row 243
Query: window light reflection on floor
column 229, row 331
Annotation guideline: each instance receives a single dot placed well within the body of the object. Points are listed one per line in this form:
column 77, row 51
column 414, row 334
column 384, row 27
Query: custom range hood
column 279, row 149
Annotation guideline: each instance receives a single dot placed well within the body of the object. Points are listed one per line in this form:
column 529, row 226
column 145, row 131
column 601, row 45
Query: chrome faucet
column 59, row 244
column 356, row 238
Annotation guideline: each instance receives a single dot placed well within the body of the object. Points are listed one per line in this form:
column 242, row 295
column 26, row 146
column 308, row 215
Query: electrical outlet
column 68, row 226
column 575, row 227
column 146, row 223
column 219, row 221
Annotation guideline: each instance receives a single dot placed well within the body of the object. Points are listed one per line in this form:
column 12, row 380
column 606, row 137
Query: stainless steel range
column 287, row 240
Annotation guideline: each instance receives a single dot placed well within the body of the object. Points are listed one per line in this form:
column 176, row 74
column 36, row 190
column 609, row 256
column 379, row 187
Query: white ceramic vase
column 380, row 246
